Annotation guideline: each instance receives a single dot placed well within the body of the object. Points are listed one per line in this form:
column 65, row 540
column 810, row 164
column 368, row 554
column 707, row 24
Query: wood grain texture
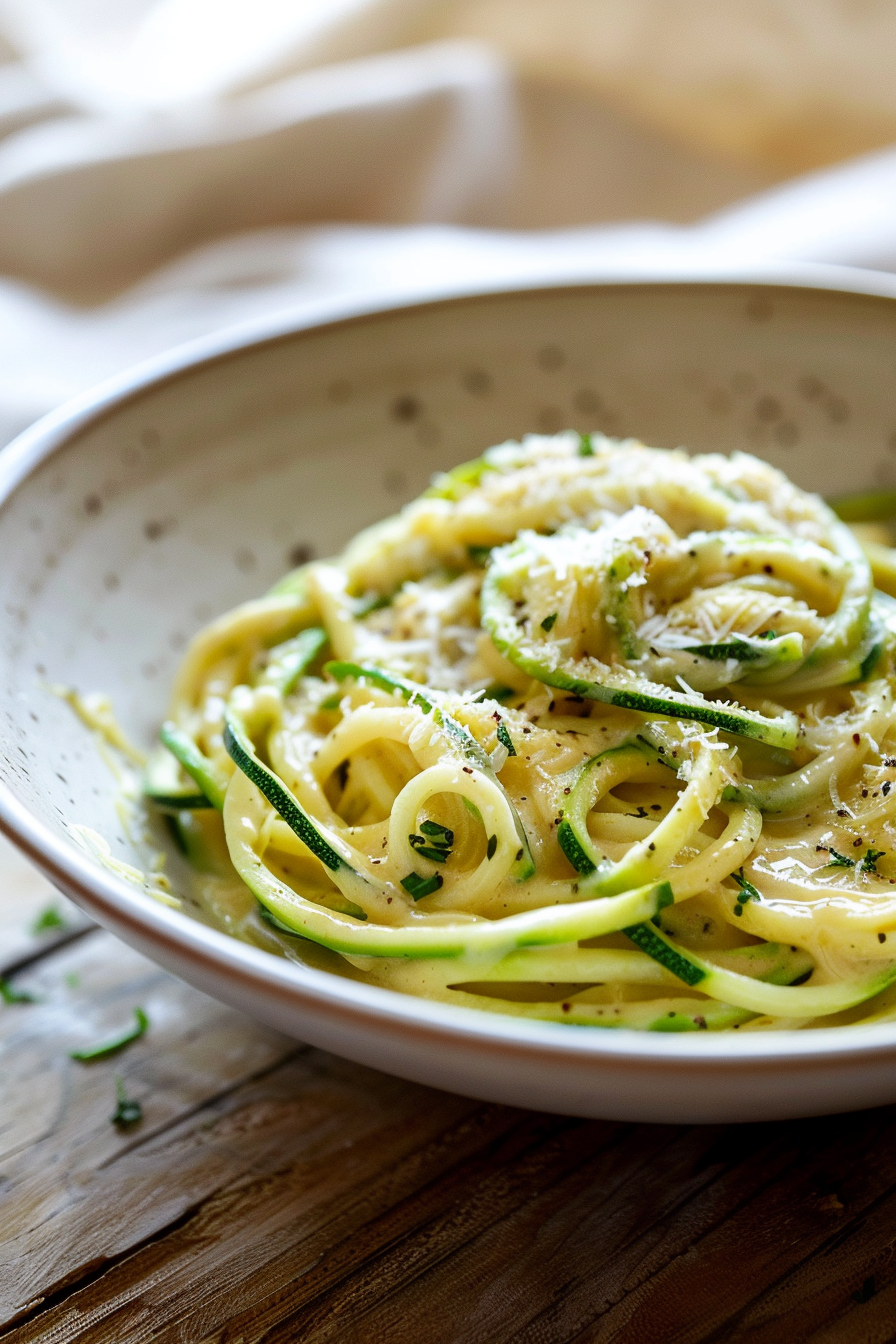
column 24, row 897
column 274, row 1193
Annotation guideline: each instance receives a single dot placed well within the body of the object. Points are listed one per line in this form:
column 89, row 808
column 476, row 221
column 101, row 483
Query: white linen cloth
column 171, row 166
column 168, row 167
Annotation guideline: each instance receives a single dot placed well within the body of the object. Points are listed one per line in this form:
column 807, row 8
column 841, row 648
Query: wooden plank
column 55, row 1132
column 658, row 1241
column 24, row 897
column 243, row 1131
column 275, row 1193
column 844, row 1292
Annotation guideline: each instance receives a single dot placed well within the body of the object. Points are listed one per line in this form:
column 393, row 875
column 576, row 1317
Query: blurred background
column 168, row 167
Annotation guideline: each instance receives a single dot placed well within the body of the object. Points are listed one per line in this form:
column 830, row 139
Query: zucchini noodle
column 590, row 733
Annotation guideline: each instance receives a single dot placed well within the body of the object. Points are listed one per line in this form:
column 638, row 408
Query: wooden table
column 273, row 1192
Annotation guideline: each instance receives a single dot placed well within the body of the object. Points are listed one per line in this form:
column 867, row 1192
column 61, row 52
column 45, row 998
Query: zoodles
column 590, row 733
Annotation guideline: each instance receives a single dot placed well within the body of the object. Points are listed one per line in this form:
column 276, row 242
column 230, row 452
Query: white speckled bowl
column 130, row 517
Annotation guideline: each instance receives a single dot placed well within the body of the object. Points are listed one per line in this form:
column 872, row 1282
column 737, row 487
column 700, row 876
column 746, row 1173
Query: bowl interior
column 198, row 490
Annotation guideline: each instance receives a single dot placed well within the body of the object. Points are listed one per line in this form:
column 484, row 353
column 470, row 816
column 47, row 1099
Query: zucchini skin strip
column 663, row 1015
column 759, row 997
column 259, row 623
column 465, row 743
column 776, row 963
column 288, row 662
column 160, row 784
column 211, row 781
column 473, row 937
column 869, row 506
column 784, row 794
column 291, row 660
column 645, row 859
column 618, row 687
column 242, row 752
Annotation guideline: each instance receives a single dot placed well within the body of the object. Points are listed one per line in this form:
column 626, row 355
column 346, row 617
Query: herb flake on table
column 111, row 1047
column 128, row 1110
column 10, row 995
column 50, row 920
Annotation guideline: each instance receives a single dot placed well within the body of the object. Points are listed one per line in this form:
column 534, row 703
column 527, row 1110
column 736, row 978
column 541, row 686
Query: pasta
column 590, row 733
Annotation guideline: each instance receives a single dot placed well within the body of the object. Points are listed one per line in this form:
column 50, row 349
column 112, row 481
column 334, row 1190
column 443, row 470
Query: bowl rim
column 365, row 1008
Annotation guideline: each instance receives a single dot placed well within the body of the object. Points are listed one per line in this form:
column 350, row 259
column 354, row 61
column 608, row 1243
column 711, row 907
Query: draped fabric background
column 172, row 166
column 168, row 167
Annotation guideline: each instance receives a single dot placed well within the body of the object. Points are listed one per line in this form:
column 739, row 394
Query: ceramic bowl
column 131, row 517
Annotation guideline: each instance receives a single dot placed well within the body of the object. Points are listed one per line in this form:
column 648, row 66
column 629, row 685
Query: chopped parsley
column 418, row 886
column 128, row 1111
column 435, row 842
column 586, row 447
column 869, row 863
column 438, row 833
column 418, row 843
column 50, row 920
column 505, row 739
column 747, row 891
column 549, row 621
column 106, row 1048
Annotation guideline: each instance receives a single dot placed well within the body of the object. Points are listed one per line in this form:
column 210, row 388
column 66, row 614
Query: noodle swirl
column 591, row 733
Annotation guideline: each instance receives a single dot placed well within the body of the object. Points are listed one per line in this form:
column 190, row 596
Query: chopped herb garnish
column 128, row 1111
column 479, row 554
column 491, row 847
column 418, row 842
column 839, row 860
column 498, row 692
column 418, row 886
column 869, row 863
column 10, row 995
column 505, row 739
column 105, row 1048
column 440, row 834
column 586, row 447
column 49, row 920
column 747, row 891
column 549, row 621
